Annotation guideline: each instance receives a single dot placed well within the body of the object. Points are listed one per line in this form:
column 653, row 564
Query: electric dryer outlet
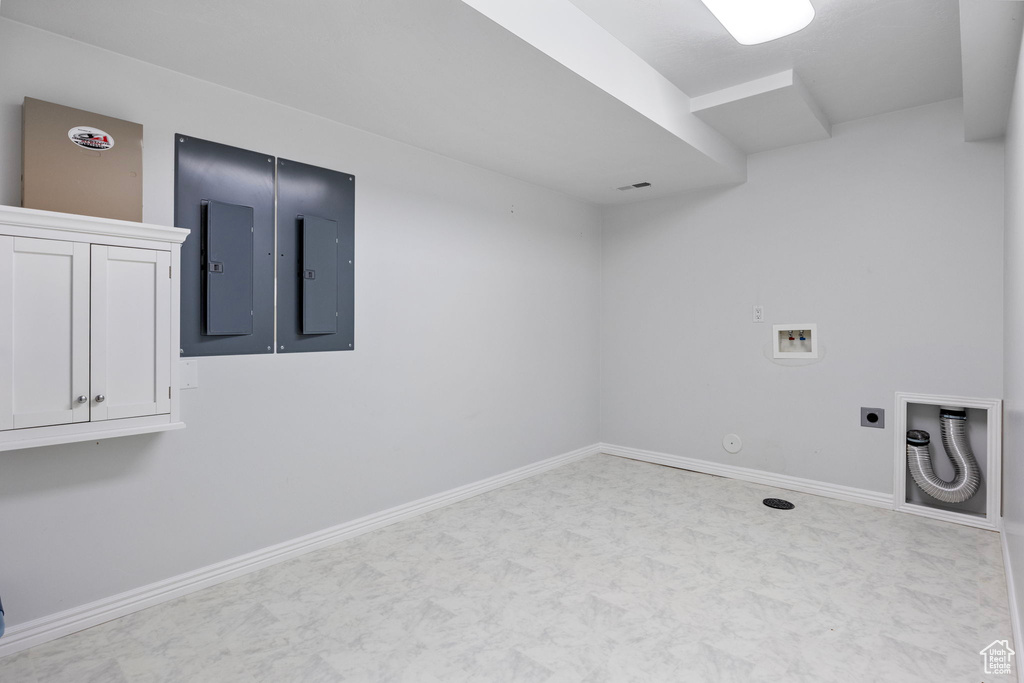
column 872, row 417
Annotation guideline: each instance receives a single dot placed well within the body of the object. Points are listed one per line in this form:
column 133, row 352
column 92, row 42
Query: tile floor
column 605, row 570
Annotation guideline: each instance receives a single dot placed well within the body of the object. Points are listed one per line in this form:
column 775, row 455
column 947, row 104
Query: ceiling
column 857, row 57
column 583, row 97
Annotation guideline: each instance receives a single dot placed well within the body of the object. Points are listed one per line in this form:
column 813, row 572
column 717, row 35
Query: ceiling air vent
column 634, row 186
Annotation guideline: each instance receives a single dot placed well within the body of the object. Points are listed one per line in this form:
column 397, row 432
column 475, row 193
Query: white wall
column 888, row 236
column 1013, row 343
column 477, row 329
column 476, row 335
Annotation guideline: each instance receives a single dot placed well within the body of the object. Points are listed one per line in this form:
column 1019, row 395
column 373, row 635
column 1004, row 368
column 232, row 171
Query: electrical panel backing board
column 225, row 196
column 316, row 258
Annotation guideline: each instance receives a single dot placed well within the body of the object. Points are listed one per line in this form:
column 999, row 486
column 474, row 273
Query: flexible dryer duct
column 967, row 474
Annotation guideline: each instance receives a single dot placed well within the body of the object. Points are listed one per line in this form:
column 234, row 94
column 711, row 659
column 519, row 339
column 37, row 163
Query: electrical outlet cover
column 872, row 417
column 188, row 373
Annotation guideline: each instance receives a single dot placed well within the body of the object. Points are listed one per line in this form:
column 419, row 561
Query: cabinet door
column 131, row 318
column 44, row 336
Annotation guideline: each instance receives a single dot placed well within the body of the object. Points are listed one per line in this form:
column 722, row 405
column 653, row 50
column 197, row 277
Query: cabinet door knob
column 83, row 399
column 100, row 398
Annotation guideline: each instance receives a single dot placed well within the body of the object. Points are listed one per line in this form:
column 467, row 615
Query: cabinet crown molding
column 89, row 226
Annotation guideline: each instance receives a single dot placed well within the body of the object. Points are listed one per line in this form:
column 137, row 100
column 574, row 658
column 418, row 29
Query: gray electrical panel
column 227, row 260
column 225, row 196
column 316, row 258
column 319, row 275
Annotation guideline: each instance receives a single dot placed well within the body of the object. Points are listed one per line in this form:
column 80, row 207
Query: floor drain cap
column 778, row 504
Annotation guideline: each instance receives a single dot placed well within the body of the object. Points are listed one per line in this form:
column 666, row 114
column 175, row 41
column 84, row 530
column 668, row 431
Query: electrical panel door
column 227, row 260
column 319, row 275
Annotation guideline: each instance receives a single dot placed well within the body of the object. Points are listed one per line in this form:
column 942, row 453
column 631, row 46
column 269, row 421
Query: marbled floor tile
column 18, row 667
column 603, row 571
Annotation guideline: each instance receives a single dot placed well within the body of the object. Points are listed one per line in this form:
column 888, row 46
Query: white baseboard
column 51, row 627
column 1011, row 591
column 782, row 481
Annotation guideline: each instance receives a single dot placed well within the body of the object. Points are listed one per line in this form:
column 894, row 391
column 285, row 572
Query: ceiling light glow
column 757, row 21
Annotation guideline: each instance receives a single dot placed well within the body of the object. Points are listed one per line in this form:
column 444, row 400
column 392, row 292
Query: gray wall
column 476, row 330
column 1013, row 342
column 888, row 236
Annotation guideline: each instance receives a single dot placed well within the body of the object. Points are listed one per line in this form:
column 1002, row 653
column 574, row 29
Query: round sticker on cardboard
column 90, row 138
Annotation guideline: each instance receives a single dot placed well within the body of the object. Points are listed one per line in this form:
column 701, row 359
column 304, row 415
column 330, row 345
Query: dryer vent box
column 79, row 162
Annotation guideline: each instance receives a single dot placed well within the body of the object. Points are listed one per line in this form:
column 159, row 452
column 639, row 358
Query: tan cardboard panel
column 79, row 162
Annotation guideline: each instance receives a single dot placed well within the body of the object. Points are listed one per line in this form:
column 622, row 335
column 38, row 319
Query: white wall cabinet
column 88, row 328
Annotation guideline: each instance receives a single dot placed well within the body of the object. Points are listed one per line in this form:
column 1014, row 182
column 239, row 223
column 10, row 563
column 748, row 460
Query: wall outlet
column 872, row 417
column 758, row 314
